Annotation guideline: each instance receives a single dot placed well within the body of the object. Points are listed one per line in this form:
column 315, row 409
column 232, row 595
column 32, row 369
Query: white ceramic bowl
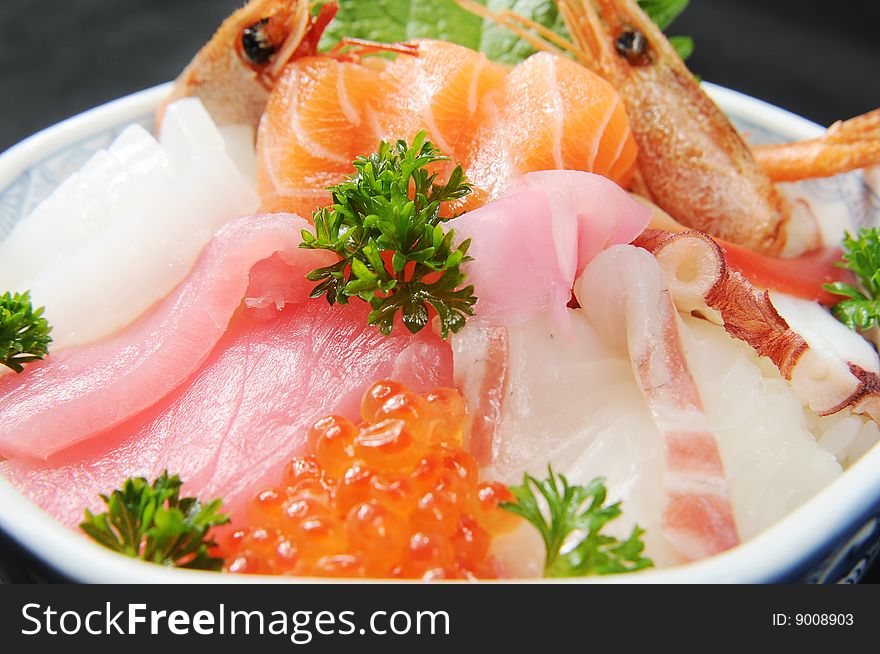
column 833, row 537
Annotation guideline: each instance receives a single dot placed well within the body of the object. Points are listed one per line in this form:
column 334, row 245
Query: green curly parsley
column 24, row 333
column 570, row 520
column 861, row 309
column 385, row 226
column 153, row 523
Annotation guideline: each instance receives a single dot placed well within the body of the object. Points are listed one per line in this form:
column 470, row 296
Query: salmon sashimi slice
column 319, row 118
column 555, row 115
column 498, row 123
column 77, row 393
column 230, row 429
column 558, row 115
column 447, row 90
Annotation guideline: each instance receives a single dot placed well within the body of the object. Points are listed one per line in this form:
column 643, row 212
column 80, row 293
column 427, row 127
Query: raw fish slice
column 624, row 294
column 127, row 229
column 558, row 117
column 81, row 206
column 230, row 429
column 572, row 403
column 78, row 392
column 529, row 247
column 772, row 460
column 554, row 115
column 576, row 405
column 318, row 119
column 547, row 113
column 447, row 90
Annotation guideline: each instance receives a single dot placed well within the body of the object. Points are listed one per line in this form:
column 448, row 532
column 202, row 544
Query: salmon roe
column 394, row 496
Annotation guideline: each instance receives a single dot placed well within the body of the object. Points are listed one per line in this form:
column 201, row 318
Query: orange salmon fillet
column 498, row 123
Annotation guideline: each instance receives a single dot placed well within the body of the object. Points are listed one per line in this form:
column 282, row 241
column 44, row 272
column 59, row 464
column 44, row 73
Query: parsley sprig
column 153, row 523
column 24, row 332
column 385, row 226
column 571, row 521
column 861, row 309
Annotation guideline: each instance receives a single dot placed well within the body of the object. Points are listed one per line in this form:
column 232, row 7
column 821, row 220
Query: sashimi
column 529, row 247
column 230, row 429
column 498, row 123
column 449, row 91
column 554, row 115
column 575, row 403
column 319, row 117
column 623, row 292
column 78, row 392
column 121, row 233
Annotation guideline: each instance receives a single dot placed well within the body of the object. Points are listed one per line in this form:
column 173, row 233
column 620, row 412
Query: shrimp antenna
column 543, row 38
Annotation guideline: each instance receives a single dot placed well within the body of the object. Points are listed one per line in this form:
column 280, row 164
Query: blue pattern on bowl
column 844, row 557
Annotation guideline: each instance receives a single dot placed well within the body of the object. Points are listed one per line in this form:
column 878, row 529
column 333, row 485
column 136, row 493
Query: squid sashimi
column 230, row 429
column 578, row 404
column 81, row 391
column 498, row 123
column 529, row 247
column 125, row 230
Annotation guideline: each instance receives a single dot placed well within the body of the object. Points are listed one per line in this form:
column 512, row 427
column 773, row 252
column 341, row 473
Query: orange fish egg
column 395, row 496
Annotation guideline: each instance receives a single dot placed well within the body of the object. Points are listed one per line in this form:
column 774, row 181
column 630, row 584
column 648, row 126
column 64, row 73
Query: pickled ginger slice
column 121, row 233
column 81, row 391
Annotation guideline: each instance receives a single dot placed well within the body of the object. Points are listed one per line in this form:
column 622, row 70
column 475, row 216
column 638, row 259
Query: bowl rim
column 788, row 545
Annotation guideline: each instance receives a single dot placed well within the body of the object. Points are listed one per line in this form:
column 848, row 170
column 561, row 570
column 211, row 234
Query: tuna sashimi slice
column 81, row 391
column 529, row 247
column 230, row 429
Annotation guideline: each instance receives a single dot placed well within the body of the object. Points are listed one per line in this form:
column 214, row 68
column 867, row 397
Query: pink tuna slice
column 72, row 396
column 229, row 431
column 530, row 246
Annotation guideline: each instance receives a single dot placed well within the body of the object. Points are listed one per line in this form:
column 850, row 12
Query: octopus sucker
column 702, row 283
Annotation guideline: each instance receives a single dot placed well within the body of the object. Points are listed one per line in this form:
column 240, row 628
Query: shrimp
column 233, row 72
column 692, row 162
column 846, row 145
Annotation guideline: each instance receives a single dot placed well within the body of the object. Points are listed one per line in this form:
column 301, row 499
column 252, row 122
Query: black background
column 818, row 58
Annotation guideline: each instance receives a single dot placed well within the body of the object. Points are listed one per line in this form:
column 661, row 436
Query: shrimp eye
column 633, row 45
column 255, row 43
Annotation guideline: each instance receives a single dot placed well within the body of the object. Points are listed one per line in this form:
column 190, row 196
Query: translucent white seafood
column 577, row 405
column 122, row 232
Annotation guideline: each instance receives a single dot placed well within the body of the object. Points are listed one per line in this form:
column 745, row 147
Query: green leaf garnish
column 861, row 309
column 391, row 207
column 153, row 523
column 684, row 45
column 663, row 13
column 24, row 332
column 570, row 522
column 392, row 21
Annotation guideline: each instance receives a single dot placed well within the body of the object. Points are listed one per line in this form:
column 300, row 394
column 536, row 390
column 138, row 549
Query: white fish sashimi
column 571, row 403
column 126, row 229
column 576, row 404
column 771, row 457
